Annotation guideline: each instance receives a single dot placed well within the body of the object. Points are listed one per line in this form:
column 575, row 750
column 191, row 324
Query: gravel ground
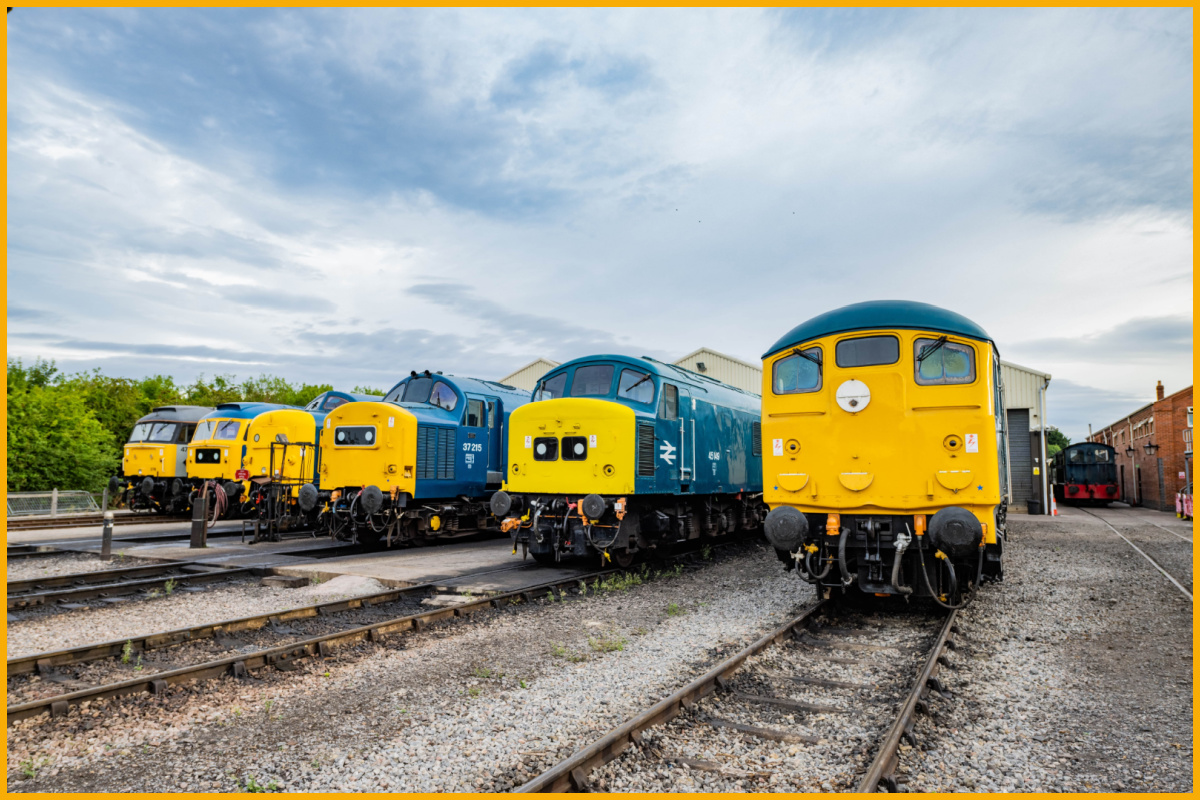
column 39, row 630
column 467, row 705
column 25, row 569
column 1075, row 674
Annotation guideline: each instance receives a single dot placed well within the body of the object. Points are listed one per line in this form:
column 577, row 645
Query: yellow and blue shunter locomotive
column 418, row 465
column 154, row 470
column 620, row 455
column 886, row 456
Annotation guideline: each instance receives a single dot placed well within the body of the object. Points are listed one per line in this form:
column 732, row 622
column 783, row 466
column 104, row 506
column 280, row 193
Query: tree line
column 68, row 431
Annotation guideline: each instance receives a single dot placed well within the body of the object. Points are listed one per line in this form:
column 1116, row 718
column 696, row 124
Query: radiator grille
column 435, row 453
column 645, row 451
column 756, row 438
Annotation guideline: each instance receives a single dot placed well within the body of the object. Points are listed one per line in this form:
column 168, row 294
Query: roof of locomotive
column 245, row 410
column 471, row 385
column 716, row 391
column 176, row 414
column 876, row 314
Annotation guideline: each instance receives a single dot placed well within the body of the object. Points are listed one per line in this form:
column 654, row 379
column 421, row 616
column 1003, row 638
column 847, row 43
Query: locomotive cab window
column 592, row 381
column 798, row 373
column 333, row 402
column 204, row 429
column 443, row 396
column 668, row 407
column 941, row 362
column 868, row 351
column 475, row 418
column 551, row 388
column 491, row 412
column 227, row 429
column 416, row 390
column 636, row 386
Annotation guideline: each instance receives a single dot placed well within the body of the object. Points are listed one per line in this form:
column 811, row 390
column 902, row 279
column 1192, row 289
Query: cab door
column 673, row 454
column 474, row 444
column 495, row 441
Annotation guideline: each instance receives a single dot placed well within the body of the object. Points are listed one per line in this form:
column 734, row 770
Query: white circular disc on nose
column 853, row 396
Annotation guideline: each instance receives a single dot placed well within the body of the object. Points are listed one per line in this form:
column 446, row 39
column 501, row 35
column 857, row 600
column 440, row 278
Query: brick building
column 1154, row 450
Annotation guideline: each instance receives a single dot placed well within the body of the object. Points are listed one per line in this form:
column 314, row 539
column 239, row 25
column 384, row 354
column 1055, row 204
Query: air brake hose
column 847, row 579
column 900, row 548
column 936, row 599
column 817, row 578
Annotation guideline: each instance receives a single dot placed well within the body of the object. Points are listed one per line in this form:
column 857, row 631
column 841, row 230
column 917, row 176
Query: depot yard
column 1074, row 674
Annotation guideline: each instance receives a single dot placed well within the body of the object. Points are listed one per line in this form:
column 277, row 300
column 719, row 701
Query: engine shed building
column 1024, row 397
column 1154, row 449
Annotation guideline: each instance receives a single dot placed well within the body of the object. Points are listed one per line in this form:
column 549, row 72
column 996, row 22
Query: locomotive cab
column 618, row 455
column 418, row 464
column 153, row 473
column 886, row 453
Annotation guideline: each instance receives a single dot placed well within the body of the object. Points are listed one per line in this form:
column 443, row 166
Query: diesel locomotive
column 280, row 454
column 616, row 456
column 886, row 457
column 1085, row 474
column 418, row 465
column 216, row 451
column 154, row 472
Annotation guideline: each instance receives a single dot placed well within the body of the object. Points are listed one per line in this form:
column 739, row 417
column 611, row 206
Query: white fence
column 51, row 503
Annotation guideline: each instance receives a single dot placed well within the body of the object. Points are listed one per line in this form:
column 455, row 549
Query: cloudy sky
column 343, row 196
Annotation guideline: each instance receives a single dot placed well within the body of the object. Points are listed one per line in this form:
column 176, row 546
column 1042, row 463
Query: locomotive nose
column 786, row 528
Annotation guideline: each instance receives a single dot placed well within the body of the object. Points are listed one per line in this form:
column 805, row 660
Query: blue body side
column 709, row 449
column 474, row 450
column 880, row 314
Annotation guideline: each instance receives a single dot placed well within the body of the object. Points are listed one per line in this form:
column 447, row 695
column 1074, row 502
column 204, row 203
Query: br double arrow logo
column 668, row 453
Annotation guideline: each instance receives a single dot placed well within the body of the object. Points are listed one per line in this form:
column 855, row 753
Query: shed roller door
column 1022, row 457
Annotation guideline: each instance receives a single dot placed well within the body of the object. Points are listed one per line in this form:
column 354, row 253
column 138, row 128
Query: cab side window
column 491, row 411
column 668, row 407
column 475, row 418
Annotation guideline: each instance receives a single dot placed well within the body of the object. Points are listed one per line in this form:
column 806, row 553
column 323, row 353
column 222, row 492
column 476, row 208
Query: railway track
column 1153, row 562
column 80, row 586
column 278, row 640
column 787, row 692
column 150, row 664
column 88, row 520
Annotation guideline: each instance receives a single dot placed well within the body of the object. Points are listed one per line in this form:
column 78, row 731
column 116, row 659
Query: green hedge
column 67, row 431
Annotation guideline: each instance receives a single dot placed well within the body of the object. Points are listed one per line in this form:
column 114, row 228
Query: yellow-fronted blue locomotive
column 886, row 453
column 620, row 455
column 154, row 472
column 418, row 465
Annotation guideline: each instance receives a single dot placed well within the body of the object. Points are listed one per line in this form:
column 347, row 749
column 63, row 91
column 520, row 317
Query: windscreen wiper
column 930, row 349
column 645, row 378
column 814, row 359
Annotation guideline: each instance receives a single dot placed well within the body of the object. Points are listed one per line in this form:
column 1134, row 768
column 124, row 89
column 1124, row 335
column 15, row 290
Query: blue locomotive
column 618, row 455
column 418, row 465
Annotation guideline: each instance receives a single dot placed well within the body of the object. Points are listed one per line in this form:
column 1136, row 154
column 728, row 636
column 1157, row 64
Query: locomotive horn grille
column 645, row 450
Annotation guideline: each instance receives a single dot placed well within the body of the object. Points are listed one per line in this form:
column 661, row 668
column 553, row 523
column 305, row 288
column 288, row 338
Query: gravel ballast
column 27, row 569
column 40, row 630
column 469, row 705
column 1074, row 675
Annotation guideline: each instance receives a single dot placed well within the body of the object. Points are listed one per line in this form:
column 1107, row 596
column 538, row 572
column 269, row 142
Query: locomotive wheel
column 367, row 536
column 544, row 559
column 623, row 558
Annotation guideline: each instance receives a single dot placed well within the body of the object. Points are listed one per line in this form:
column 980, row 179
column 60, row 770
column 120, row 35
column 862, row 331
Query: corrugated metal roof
column 527, row 376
